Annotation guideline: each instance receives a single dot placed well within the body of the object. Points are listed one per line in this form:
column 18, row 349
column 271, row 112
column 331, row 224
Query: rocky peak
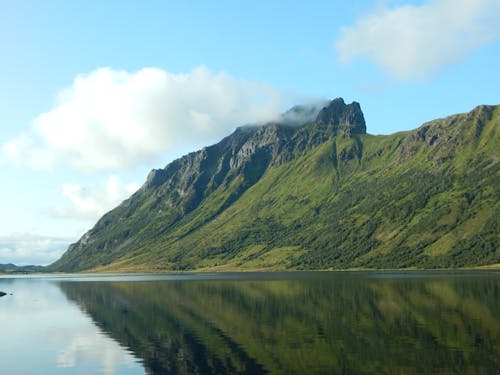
column 342, row 118
column 155, row 178
column 250, row 151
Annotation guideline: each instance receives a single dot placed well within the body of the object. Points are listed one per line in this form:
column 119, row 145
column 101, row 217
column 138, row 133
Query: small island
column 2, row 294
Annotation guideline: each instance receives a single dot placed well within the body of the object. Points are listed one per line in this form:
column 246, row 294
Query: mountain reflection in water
column 302, row 325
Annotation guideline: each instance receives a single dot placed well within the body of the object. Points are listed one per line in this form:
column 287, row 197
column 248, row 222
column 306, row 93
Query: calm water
column 254, row 323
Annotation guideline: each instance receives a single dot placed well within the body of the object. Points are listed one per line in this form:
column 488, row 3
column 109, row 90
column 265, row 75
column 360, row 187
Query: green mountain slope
column 320, row 195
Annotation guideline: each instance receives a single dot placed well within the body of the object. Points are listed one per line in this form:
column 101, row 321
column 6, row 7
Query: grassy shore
column 123, row 267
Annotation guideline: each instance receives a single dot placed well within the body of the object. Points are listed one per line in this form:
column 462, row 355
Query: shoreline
column 490, row 268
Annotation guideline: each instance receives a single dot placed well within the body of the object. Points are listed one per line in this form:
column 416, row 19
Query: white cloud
column 91, row 203
column 24, row 249
column 90, row 347
column 109, row 119
column 414, row 41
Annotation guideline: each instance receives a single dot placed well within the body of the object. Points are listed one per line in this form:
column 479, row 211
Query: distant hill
column 13, row 268
column 319, row 194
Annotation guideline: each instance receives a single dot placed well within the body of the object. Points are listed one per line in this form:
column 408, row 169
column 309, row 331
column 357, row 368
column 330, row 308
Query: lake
column 252, row 323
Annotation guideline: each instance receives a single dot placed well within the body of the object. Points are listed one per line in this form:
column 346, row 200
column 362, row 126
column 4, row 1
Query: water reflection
column 316, row 324
column 42, row 333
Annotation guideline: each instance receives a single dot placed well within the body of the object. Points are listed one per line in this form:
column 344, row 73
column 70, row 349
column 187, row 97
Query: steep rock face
column 342, row 118
column 248, row 153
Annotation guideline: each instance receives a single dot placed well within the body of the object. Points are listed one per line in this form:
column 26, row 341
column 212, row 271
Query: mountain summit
column 344, row 119
column 313, row 191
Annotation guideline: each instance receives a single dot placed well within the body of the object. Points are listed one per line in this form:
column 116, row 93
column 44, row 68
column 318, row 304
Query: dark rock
column 2, row 294
column 155, row 178
column 342, row 118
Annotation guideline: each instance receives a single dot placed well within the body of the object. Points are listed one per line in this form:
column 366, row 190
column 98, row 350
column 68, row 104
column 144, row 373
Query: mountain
column 11, row 268
column 313, row 195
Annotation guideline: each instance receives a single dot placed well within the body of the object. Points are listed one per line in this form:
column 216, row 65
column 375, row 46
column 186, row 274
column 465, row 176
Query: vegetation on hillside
column 324, row 195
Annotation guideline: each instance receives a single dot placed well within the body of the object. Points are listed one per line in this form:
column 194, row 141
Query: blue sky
column 95, row 94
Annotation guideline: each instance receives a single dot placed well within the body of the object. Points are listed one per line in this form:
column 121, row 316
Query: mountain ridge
column 12, row 268
column 171, row 221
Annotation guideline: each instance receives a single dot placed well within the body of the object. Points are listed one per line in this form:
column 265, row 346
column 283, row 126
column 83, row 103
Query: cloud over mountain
column 90, row 203
column 412, row 42
column 110, row 119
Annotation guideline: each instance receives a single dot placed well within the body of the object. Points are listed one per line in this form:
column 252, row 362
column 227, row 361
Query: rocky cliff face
column 248, row 153
column 342, row 118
